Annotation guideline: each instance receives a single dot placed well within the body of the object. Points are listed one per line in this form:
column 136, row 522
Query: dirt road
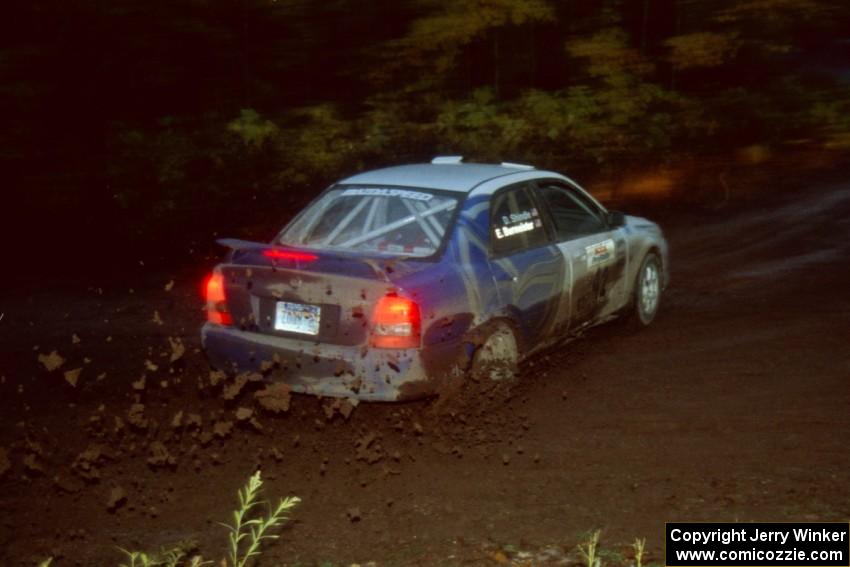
column 733, row 406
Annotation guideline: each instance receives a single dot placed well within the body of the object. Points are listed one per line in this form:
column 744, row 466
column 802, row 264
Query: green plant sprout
column 588, row 550
column 639, row 545
column 173, row 557
column 246, row 535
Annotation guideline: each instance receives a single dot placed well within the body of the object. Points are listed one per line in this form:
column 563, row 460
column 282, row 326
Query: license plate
column 297, row 318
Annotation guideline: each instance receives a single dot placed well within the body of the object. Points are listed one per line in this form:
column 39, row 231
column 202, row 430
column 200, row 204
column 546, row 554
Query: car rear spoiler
column 380, row 270
column 237, row 244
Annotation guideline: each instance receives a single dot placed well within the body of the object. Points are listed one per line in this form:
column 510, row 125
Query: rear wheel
column 498, row 356
column 647, row 291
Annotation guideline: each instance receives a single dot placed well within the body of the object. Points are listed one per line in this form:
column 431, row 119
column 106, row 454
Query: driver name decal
column 517, row 223
column 516, row 229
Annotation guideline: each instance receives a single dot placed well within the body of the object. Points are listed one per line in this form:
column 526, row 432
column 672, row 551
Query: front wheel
column 498, row 357
column 647, row 291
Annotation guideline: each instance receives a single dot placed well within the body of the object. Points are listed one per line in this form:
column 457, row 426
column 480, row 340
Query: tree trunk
column 644, row 26
column 496, row 62
column 676, row 31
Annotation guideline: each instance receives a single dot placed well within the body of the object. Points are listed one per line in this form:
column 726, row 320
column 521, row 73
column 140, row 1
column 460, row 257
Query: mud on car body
column 394, row 280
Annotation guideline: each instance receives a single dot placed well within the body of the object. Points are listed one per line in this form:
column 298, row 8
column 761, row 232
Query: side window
column 572, row 213
column 515, row 222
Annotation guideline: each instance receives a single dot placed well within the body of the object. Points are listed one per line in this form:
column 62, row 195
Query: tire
column 498, row 356
column 646, row 296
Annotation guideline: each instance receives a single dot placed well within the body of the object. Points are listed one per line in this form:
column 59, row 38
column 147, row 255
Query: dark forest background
column 141, row 129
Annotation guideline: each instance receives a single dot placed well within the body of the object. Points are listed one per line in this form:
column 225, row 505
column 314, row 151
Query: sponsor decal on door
column 600, row 253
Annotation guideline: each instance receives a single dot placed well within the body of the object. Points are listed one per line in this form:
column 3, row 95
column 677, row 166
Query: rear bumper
column 320, row 369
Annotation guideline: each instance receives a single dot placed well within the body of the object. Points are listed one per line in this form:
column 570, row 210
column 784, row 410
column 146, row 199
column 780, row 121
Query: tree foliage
column 449, row 29
column 144, row 114
column 702, row 49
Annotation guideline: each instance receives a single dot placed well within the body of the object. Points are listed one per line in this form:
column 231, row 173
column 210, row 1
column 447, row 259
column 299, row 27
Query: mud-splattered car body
column 351, row 313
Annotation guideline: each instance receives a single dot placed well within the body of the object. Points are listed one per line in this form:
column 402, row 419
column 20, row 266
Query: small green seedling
column 639, row 545
column 246, row 535
column 244, row 539
column 589, row 551
column 174, row 557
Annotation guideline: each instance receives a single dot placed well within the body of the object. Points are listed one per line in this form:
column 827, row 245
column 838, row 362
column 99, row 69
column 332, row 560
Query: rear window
column 385, row 220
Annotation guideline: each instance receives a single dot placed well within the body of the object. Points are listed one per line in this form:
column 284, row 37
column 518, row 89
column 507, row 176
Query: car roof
column 461, row 177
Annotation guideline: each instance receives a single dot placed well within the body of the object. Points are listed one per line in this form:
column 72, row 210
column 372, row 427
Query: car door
column 527, row 267
column 594, row 254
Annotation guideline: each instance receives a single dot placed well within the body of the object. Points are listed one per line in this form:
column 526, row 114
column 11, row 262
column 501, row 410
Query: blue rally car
column 396, row 280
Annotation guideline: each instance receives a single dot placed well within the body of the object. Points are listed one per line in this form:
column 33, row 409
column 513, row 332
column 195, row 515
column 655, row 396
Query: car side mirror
column 616, row 219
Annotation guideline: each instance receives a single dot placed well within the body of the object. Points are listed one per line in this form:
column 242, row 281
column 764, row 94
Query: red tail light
column 216, row 301
column 396, row 323
column 290, row 255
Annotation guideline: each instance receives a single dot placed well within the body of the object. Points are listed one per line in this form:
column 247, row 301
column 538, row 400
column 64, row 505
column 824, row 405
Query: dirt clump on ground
column 117, row 499
column 274, row 398
column 88, row 463
column 159, row 456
